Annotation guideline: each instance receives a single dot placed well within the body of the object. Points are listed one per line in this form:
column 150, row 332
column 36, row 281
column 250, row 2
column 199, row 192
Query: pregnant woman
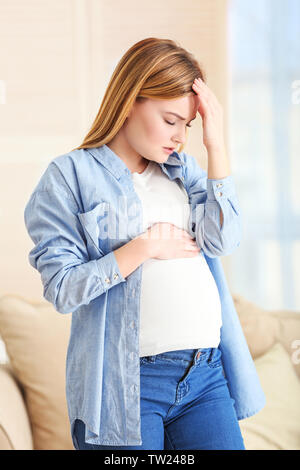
column 128, row 232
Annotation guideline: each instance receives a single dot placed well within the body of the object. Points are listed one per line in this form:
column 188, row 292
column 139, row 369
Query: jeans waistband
column 185, row 355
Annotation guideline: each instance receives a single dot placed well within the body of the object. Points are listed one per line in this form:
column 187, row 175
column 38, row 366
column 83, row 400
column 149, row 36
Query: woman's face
column 150, row 125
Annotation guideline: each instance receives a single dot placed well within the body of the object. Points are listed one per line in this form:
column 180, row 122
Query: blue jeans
column 185, row 404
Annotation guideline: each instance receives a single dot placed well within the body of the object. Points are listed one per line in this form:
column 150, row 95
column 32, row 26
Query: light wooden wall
column 56, row 63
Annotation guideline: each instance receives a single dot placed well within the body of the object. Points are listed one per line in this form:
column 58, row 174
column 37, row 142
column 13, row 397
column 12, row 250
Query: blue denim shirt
column 80, row 275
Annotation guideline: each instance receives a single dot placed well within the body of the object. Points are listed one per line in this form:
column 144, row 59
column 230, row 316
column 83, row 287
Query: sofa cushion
column 276, row 426
column 260, row 329
column 36, row 340
column 15, row 431
column 263, row 328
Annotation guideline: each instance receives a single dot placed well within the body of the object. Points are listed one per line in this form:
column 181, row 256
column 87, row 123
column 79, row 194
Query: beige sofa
column 33, row 409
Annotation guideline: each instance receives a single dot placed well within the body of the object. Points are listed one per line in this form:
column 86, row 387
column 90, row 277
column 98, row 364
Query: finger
column 203, row 86
column 202, row 107
column 203, row 99
column 200, row 93
column 207, row 92
column 190, row 243
column 200, row 87
column 187, row 235
column 191, row 248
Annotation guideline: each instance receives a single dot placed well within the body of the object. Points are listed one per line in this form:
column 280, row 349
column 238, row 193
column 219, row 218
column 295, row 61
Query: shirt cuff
column 220, row 188
column 109, row 271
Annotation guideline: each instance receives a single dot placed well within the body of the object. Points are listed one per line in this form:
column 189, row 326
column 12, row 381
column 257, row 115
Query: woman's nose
column 180, row 137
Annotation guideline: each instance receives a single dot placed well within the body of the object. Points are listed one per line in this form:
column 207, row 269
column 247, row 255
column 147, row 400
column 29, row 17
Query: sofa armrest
column 15, row 429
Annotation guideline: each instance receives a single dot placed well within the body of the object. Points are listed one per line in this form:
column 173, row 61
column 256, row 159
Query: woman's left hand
column 212, row 116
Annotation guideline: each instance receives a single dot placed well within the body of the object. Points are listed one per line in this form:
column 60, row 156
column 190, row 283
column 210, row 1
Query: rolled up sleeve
column 70, row 279
column 208, row 197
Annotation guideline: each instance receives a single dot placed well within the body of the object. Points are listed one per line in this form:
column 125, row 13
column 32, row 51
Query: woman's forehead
column 184, row 108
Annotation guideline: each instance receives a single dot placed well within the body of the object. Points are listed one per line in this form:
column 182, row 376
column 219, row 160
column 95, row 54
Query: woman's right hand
column 166, row 241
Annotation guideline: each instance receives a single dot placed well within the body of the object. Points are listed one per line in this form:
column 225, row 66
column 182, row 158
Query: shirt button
column 107, row 280
column 116, row 275
column 131, row 355
column 132, row 325
column 219, row 185
column 133, row 292
column 219, row 194
column 133, row 388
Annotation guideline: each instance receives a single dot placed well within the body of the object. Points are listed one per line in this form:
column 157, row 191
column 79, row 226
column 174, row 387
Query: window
column 264, row 51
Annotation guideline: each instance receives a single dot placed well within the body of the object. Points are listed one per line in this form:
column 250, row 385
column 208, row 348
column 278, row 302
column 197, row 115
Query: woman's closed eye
column 172, row 124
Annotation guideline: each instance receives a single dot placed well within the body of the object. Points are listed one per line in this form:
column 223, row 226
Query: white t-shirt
column 180, row 306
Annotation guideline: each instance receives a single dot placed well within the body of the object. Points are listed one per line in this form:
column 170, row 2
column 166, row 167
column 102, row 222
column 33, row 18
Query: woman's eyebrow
column 180, row 117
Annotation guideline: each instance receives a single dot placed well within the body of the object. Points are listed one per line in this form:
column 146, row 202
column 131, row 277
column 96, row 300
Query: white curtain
column 264, row 56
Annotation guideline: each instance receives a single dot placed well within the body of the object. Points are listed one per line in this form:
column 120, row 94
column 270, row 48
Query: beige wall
column 57, row 60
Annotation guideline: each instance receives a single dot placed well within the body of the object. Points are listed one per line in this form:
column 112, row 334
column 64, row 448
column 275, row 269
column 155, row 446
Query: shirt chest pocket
column 97, row 227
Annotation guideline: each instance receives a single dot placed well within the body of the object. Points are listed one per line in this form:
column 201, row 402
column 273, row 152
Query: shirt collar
column 118, row 168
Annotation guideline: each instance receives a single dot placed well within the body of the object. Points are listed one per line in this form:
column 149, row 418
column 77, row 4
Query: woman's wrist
column 145, row 245
column 132, row 254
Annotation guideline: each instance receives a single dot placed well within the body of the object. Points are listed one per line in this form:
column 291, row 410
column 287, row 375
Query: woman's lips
column 168, row 150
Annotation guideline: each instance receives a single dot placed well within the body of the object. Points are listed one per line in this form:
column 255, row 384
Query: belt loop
column 211, row 354
column 197, row 355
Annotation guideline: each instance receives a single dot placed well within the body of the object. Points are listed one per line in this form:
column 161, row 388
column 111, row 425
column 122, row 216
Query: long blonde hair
column 152, row 68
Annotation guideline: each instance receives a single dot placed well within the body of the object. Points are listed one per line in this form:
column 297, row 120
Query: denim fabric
column 185, row 404
column 82, row 209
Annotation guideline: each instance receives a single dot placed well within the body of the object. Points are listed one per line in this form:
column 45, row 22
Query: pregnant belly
column 182, row 289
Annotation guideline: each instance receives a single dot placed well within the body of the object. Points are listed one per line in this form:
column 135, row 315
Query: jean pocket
column 215, row 359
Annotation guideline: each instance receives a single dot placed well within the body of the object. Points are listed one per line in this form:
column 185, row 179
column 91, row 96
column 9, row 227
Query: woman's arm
column 69, row 277
column 132, row 254
column 208, row 198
